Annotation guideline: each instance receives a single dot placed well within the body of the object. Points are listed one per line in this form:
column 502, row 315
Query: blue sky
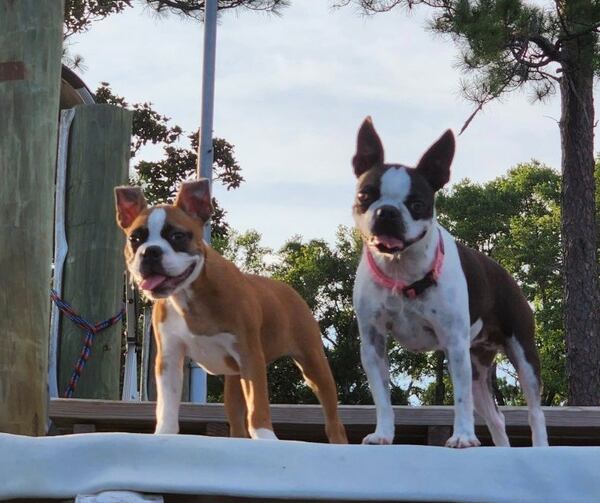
column 291, row 92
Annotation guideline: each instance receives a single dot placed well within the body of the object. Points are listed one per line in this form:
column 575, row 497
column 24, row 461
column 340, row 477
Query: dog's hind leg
column 528, row 370
column 235, row 407
column 316, row 371
column 483, row 396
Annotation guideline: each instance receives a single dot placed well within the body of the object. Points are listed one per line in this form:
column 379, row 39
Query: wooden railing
column 414, row 425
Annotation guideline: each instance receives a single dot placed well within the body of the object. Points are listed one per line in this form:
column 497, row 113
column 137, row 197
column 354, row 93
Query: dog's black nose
column 153, row 253
column 387, row 213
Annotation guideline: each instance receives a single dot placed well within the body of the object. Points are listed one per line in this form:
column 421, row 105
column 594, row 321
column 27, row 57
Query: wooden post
column 99, row 156
column 30, row 53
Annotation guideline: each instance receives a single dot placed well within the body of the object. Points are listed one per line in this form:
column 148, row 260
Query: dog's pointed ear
column 194, row 198
column 435, row 163
column 369, row 149
column 130, row 202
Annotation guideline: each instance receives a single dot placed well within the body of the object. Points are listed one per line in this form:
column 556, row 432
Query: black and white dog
column 418, row 285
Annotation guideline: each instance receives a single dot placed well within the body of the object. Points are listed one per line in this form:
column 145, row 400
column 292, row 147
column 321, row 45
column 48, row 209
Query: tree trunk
column 497, row 391
column 579, row 231
column 440, row 386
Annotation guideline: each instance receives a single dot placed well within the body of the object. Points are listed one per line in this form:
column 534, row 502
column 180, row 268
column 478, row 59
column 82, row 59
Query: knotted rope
column 90, row 333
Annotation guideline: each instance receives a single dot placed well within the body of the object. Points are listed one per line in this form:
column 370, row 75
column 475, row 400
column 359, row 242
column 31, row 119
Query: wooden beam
column 30, row 54
column 99, row 156
column 567, row 425
column 431, row 415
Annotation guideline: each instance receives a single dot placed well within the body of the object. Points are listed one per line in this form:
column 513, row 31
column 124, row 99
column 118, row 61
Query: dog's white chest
column 407, row 322
column 390, row 314
column 217, row 354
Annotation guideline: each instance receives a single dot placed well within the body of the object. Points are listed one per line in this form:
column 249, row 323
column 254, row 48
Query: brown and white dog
column 418, row 285
column 230, row 323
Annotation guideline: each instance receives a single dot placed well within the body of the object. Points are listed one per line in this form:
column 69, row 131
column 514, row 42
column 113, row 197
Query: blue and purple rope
column 90, row 333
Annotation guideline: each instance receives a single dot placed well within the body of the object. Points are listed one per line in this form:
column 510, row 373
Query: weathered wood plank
column 578, row 425
column 432, row 415
column 99, row 156
column 30, row 54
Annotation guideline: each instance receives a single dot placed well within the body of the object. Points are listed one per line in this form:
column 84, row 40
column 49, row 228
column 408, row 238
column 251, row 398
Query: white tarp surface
column 62, row 467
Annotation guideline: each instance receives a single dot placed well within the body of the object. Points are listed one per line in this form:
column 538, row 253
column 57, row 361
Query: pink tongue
column 389, row 242
column 151, row 282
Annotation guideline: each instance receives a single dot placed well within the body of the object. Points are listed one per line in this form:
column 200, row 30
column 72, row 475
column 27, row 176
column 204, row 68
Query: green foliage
column 245, row 250
column 195, row 8
column 148, row 125
column 80, row 14
column 429, row 393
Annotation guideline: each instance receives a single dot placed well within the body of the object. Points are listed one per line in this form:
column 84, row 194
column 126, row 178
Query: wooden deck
column 414, row 425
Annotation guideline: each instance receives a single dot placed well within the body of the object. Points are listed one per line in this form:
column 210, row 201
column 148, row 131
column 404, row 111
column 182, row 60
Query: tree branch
column 570, row 36
column 191, row 7
column 485, row 100
column 549, row 49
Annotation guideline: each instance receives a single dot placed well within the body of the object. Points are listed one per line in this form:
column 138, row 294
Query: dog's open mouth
column 161, row 283
column 391, row 245
column 388, row 244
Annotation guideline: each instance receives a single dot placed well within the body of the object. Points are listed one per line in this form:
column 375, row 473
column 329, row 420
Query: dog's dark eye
column 177, row 236
column 416, row 206
column 366, row 195
column 137, row 237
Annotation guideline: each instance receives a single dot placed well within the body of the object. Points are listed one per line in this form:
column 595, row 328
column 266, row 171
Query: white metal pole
column 130, row 380
column 61, row 246
column 145, row 367
column 205, row 151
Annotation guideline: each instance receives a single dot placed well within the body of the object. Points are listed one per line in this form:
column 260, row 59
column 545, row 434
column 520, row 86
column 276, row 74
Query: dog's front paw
column 163, row 429
column 262, row 434
column 462, row 441
column 378, row 439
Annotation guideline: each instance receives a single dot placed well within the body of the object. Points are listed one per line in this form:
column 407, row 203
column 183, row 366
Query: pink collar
column 398, row 286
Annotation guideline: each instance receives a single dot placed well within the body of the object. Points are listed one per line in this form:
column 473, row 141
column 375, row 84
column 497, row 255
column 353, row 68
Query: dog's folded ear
column 130, row 202
column 435, row 163
column 194, row 198
column 369, row 149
